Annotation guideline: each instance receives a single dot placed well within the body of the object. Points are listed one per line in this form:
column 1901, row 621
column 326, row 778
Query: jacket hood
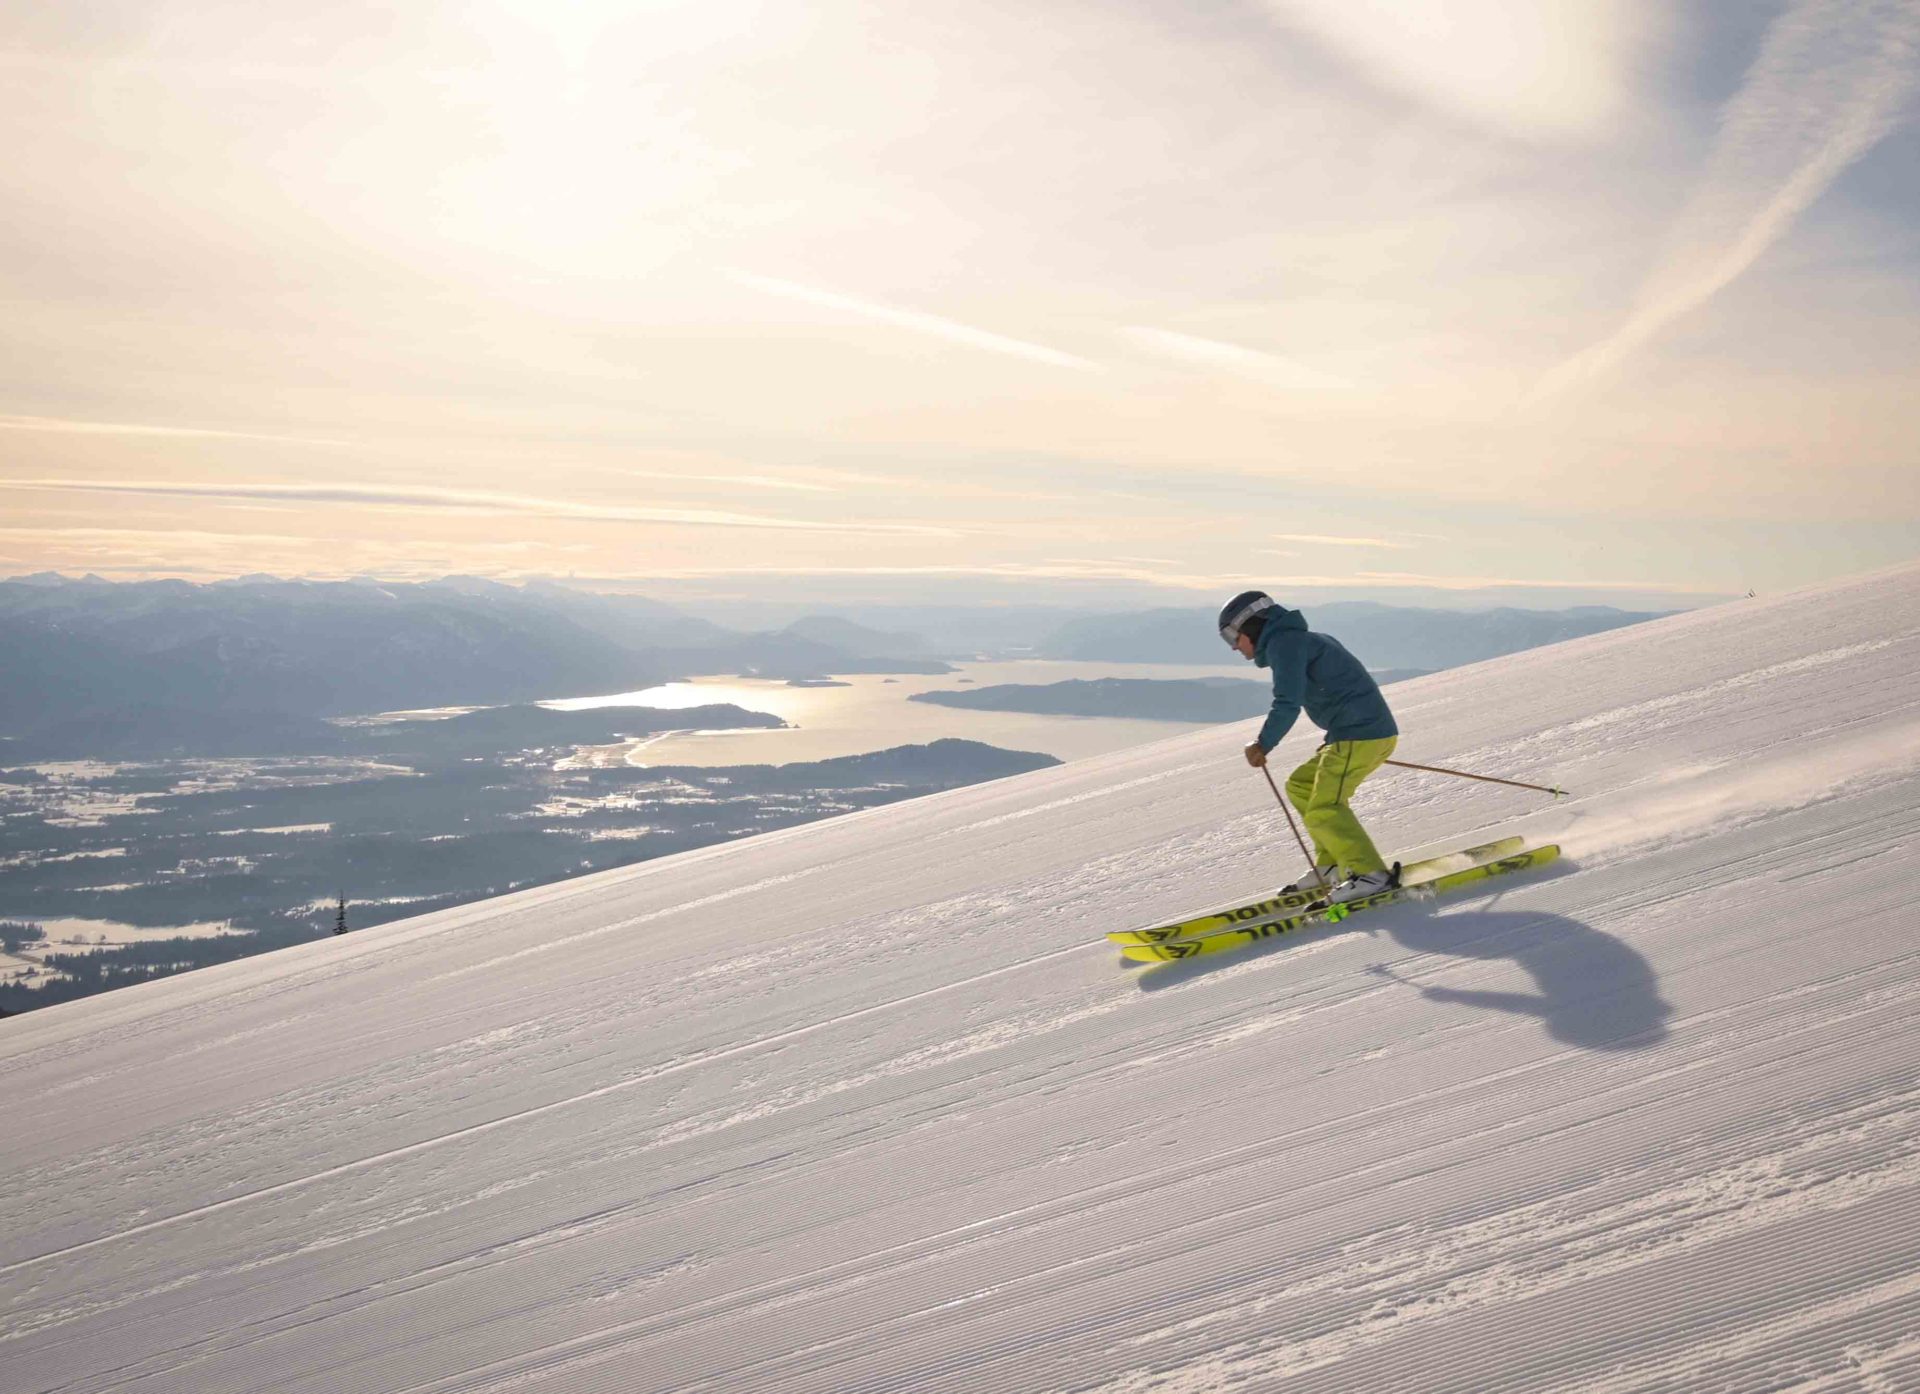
column 1280, row 620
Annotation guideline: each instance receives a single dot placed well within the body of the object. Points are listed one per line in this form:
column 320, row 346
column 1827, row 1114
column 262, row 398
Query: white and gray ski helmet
column 1237, row 611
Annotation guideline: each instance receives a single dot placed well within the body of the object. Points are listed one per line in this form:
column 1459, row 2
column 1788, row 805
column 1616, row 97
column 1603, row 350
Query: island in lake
column 1198, row 700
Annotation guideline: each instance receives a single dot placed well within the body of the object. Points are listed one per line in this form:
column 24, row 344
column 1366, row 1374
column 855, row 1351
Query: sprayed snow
column 869, row 1105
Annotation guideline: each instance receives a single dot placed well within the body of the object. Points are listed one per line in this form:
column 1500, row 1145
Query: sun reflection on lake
column 868, row 712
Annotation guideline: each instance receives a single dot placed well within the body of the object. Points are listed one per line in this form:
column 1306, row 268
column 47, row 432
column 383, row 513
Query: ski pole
column 1484, row 778
column 1289, row 812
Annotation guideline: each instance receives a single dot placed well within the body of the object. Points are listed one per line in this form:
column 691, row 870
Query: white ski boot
column 1321, row 878
column 1365, row 884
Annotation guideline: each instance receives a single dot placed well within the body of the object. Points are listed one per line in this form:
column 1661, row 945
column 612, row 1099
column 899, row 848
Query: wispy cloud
column 1270, row 368
column 1105, row 570
column 373, row 494
column 161, row 534
column 1830, row 81
column 1394, row 579
column 147, row 551
column 1328, row 541
column 917, row 321
column 1553, row 68
column 197, row 552
column 733, row 481
column 58, row 426
column 1056, row 569
column 471, row 501
column 719, row 471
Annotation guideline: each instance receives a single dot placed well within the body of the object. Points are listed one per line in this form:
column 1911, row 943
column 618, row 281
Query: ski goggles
column 1230, row 626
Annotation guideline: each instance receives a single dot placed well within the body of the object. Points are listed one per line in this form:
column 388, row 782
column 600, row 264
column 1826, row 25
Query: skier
column 1314, row 672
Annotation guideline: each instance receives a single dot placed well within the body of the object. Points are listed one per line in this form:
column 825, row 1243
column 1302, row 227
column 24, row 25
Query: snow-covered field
column 870, row 1105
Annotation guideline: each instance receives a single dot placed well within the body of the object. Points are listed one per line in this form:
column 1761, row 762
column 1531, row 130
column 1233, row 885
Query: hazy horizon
column 795, row 595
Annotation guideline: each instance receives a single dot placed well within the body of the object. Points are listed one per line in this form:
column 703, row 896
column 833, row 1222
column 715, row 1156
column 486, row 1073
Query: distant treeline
column 15, row 935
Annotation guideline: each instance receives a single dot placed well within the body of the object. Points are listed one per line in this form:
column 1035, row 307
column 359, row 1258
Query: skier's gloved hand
column 1255, row 755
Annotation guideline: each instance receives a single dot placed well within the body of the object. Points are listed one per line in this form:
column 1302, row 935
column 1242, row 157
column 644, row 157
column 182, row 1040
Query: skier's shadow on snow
column 1590, row 989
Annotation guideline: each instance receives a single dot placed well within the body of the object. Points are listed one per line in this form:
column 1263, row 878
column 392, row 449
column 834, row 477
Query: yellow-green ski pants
column 1321, row 788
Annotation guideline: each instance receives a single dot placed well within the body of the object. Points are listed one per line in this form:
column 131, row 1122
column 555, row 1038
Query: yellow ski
column 1219, row 941
column 1276, row 905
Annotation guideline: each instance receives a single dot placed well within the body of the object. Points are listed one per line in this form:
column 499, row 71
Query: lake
column 871, row 712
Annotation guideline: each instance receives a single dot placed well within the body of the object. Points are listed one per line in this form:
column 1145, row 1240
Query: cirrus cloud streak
column 1831, row 80
column 470, row 501
column 917, row 321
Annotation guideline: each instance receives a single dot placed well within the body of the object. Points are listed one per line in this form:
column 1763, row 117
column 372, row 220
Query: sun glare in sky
column 1604, row 298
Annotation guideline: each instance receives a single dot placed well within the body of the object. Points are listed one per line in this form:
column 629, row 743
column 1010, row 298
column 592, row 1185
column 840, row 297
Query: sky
column 1603, row 301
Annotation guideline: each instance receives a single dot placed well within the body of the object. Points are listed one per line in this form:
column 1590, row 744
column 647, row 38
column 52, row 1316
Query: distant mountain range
column 245, row 666
column 252, row 666
column 139, row 732
column 1381, row 636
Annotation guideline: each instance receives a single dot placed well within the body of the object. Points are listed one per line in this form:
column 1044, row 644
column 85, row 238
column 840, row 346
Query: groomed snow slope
column 869, row 1105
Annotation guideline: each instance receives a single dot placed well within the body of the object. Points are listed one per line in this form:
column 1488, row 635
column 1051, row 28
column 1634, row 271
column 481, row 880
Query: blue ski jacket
column 1315, row 672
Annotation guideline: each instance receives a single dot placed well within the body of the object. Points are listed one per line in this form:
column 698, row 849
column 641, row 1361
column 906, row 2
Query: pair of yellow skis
column 1216, row 931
